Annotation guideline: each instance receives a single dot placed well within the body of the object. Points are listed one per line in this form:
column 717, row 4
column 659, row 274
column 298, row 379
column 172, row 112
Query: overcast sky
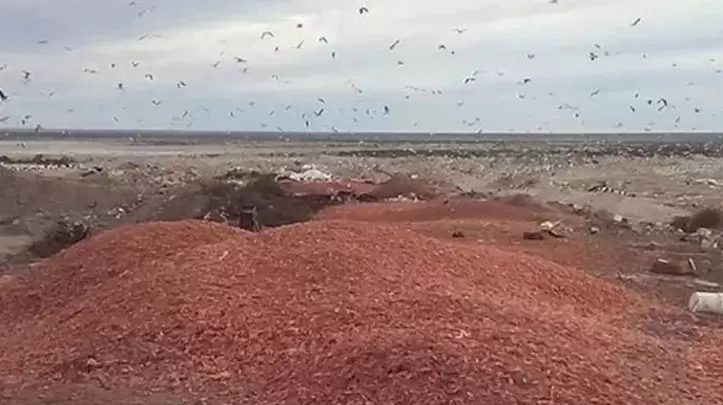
column 674, row 52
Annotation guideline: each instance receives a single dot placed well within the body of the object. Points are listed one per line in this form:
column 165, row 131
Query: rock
column 594, row 230
column 534, row 235
column 662, row 266
column 457, row 234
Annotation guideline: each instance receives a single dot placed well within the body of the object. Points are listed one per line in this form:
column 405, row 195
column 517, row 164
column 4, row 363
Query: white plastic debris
column 711, row 303
column 310, row 175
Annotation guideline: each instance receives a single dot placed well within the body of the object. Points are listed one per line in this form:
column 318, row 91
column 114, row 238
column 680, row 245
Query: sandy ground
column 647, row 184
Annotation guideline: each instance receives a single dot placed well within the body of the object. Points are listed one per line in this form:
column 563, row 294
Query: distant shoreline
column 186, row 137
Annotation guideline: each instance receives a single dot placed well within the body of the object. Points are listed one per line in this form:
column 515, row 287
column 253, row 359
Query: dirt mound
column 223, row 201
column 31, row 206
column 333, row 312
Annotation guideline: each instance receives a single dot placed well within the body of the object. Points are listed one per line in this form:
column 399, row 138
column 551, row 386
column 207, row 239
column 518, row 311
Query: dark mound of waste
column 226, row 202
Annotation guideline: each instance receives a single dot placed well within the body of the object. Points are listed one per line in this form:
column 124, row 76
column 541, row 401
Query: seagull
column 149, row 76
column 632, row 108
column 324, row 40
column 42, row 42
column 386, row 110
column 333, row 54
column 595, row 93
column 363, row 10
column 26, row 75
column 300, row 44
column 469, row 80
column 5, row 119
column 239, row 60
column 442, row 47
column 663, row 103
column 318, row 113
column 394, row 44
column 321, row 100
column 135, row 63
column 180, row 84
column 636, row 22
column 267, row 34
column 120, row 86
column 3, row 95
column 156, row 102
column 215, row 64
column 90, row 71
column 460, row 30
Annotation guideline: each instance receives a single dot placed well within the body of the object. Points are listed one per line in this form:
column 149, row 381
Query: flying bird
column 300, row 44
column 595, row 93
column 333, row 54
column 239, row 60
column 318, row 113
column 321, row 100
column 215, row 64
column 120, row 86
column 386, row 109
column 394, row 44
column 135, row 64
column 469, row 80
column 3, row 95
column 156, row 102
column 180, row 84
column 42, row 42
column 300, row 25
column 26, row 75
column 636, row 22
column 5, row 119
column 363, row 10
column 149, row 76
column 324, row 40
column 267, row 34
column 460, row 30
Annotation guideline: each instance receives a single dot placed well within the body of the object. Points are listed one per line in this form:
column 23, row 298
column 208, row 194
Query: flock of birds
column 307, row 117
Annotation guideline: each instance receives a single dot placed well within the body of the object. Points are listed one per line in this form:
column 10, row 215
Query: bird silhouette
column 394, row 44
column 363, row 9
column 636, row 22
column 267, row 34
column 3, row 95
column 324, row 40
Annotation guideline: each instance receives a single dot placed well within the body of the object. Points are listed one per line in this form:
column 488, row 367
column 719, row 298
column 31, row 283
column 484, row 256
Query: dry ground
column 138, row 179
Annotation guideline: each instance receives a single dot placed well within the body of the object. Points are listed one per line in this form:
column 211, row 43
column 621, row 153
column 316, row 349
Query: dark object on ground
column 249, row 218
column 535, row 235
column 662, row 266
column 64, row 234
column 457, row 234
column 710, row 218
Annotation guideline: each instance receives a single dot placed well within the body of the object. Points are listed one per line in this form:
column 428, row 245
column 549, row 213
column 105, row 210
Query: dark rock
column 535, row 235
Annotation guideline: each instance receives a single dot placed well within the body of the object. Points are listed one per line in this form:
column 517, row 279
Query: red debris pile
column 334, row 312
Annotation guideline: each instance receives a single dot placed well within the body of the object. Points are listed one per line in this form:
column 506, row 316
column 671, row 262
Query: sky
column 458, row 65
